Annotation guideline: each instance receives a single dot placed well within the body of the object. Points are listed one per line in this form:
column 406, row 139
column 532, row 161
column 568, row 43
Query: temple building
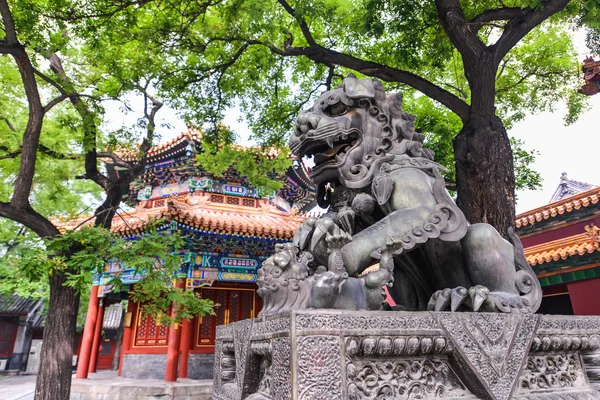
column 22, row 324
column 18, row 319
column 229, row 228
column 591, row 76
column 562, row 243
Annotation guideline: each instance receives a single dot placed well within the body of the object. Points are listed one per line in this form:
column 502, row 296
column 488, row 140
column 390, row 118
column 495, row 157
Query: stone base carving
column 333, row 354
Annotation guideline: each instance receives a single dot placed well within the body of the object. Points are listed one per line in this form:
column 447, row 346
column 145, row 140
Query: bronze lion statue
column 390, row 221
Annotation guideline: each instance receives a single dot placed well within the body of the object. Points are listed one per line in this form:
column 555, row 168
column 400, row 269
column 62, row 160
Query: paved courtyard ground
column 19, row 387
column 106, row 385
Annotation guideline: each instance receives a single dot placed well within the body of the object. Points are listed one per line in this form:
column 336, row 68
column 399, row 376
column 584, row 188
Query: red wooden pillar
column 88, row 335
column 127, row 330
column 185, row 345
column 174, row 339
column 96, row 340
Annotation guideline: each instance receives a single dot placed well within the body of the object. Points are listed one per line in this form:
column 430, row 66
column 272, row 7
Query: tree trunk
column 54, row 379
column 484, row 172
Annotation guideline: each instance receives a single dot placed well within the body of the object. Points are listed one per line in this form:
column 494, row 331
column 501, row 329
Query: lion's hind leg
column 498, row 276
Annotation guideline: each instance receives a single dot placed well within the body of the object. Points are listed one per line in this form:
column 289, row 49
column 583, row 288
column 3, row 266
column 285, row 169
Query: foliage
column 441, row 126
column 84, row 252
column 525, row 176
column 209, row 56
column 261, row 166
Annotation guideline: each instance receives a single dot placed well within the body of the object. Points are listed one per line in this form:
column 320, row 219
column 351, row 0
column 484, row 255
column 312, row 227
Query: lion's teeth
column 329, row 142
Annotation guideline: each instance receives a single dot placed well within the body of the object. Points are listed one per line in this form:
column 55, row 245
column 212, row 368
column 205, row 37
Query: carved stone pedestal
column 332, row 354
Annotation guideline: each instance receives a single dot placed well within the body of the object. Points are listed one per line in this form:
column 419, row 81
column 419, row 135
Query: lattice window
column 159, row 203
column 234, row 305
column 217, row 198
column 249, row 202
column 247, row 307
column 151, row 333
column 234, row 201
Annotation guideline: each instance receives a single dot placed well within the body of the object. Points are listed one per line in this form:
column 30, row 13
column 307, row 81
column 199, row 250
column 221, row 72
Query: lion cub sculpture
column 390, row 221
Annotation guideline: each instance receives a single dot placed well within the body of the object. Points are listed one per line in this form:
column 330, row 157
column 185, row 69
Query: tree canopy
column 472, row 59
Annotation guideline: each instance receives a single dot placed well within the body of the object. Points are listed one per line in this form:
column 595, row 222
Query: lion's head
column 352, row 130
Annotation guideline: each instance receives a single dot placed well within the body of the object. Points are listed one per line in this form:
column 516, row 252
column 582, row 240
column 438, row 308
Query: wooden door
column 106, row 354
column 8, row 333
column 233, row 305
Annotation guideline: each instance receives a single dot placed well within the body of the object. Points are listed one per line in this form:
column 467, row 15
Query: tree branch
column 329, row 57
column 31, row 136
column 150, row 130
column 521, row 25
column 9, row 24
column 498, row 14
column 66, row 87
column 459, row 31
column 72, row 15
column 63, row 97
column 116, row 159
column 301, row 22
column 389, row 74
column 29, row 218
column 42, row 149
column 9, row 124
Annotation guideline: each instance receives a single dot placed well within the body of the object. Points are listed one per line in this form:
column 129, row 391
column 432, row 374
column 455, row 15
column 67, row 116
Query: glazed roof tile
column 39, row 319
column 198, row 211
column 112, row 316
column 17, row 305
column 566, row 205
column 561, row 249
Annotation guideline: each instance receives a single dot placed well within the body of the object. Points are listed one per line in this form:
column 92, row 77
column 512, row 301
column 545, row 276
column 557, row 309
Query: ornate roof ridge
column 129, row 153
column 559, row 207
column 569, row 187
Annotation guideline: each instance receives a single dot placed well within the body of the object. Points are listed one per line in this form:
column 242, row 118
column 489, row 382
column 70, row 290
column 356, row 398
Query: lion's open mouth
column 333, row 148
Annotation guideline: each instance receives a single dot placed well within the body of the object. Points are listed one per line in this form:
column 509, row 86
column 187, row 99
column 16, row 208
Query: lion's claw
column 443, row 300
column 476, row 298
column 458, row 297
column 478, row 295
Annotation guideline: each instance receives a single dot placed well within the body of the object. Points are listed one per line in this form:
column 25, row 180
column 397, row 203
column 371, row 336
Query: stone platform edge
column 334, row 354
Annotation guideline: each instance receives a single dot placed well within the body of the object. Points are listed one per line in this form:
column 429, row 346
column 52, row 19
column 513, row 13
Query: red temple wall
column 563, row 232
column 585, row 296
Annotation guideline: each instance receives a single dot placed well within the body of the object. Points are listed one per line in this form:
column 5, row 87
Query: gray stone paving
column 19, row 387
column 106, row 385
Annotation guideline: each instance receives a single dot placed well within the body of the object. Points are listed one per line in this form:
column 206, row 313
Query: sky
column 572, row 149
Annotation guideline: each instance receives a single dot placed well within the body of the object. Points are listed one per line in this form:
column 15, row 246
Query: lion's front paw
column 474, row 299
column 394, row 245
column 337, row 240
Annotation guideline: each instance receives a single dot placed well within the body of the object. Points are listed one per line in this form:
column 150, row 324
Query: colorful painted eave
column 265, row 221
column 566, row 205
